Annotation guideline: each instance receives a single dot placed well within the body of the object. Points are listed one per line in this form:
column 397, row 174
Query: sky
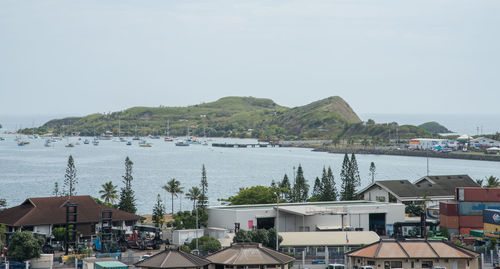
column 71, row 57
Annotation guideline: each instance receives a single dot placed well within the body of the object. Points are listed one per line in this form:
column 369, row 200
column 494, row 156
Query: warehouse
column 312, row 216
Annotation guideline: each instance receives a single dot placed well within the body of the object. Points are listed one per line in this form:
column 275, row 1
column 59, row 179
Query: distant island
column 434, row 128
column 243, row 117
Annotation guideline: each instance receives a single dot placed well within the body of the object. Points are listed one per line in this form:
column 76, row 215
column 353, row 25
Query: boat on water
column 123, row 139
column 86, row 141
column 136, row 138
column 2, row 139
column 129, row 143
column 205, row 143
column 108, row 135
column 22, row 143
column 154, row 136
column 48, row 143
column 69, row 145
column 95, row 142
column 145, row 144
column 169, row 139
column 182, row 143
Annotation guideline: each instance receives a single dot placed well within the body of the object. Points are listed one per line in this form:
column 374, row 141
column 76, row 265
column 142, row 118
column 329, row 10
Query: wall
column 447, row 263
column 372, row 193
column 43, row 229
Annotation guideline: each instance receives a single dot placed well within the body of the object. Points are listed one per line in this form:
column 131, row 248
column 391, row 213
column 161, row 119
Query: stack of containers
column 448, row 216
column 471, row 204
column 491, row 219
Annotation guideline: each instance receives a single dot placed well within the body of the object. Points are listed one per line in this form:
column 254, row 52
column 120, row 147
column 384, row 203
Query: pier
column 238, row 145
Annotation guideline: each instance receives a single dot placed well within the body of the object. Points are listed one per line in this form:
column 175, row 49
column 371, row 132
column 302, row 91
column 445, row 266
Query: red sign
column 250, row 224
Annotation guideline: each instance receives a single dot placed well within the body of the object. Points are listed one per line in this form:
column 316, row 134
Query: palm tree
column 194, row 194
column 492, row 182
column 480, row 182
column 109, row 192
column 173, row 187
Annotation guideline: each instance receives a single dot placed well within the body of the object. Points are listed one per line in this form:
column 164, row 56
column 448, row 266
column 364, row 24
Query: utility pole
column 277, row 218
column 196, row 207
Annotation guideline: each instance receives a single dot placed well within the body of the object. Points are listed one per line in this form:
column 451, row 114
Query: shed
column 110, row 264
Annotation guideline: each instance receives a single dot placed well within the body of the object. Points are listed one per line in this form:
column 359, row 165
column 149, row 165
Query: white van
column 335, row 266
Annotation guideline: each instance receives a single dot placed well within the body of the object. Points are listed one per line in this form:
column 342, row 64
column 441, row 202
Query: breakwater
column 405, row 152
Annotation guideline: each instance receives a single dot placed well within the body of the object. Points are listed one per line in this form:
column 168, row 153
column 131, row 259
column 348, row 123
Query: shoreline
column 404, row 152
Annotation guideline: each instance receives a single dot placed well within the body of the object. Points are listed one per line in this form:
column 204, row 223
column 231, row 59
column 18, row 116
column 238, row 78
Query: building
column 174, row 258
column 484, row 142
column 249, row 255
column 312, row 216
column 413, row 254
column 432, row 143
column 41, row 215
column 432, row 189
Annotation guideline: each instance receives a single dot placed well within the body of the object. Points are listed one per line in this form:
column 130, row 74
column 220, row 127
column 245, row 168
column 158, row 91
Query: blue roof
column 111, row 264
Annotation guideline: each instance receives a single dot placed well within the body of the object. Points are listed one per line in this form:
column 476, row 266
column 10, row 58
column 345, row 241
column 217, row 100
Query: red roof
column 52, row 210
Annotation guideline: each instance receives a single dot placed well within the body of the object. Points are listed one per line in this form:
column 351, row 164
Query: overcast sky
column 394, row 56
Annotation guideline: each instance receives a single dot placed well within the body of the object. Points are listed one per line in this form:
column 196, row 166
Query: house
column 413, row 254
column 309, row 216
column 249, row 255
column 40, row 215
column 433, row 189
column 174, row 258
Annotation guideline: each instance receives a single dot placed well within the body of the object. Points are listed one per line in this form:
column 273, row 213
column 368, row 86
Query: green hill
column 231, row 117
column 434, row 127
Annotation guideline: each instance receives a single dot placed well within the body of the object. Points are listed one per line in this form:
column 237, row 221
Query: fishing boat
column 129, row 143
column 182, row 143
column 108, row 135
column 86, row 141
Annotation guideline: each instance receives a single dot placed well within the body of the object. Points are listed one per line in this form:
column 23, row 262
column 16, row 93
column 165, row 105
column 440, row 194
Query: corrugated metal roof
column 249, row 254
column 172, row 259
column 355, row 238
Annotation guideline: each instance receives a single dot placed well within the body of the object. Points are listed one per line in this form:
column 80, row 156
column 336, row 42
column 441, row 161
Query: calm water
column 31, row 171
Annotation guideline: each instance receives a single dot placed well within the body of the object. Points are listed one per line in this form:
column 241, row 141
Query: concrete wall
column 43, row 229
column 179, row 236
column 376, row 191
column 45, row 261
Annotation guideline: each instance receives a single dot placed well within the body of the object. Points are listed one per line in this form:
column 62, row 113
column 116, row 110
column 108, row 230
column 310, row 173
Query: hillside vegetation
column 329, row 118
column 434, row 127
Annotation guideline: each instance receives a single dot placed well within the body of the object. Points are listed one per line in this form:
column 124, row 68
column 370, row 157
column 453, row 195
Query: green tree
column 59, row 233
column 266, row 237
column 194, row 195
column 203, row 199
column 23, row 246
column 158, row 212
column 329, row 190
column 206, row 244
column 56, row 192
column 317, row 189
column 252, row 195
column 3, row 203
column 354, row 172
column 372, row 171
column 285, row 184
column 480, row 182
column 300, row 187
column 346, row 191
column 174, row 188
column 109, row 192
column 492, row 182
column 127, row 196
column 70, row 179
column 187, row 219
column 242, row 236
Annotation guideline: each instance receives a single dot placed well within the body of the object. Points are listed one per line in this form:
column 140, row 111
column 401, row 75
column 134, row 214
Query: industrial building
column 311, row 216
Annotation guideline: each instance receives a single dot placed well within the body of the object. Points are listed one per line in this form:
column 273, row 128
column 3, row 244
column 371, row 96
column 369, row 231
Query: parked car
column 143, row 257
column 318, row 262
column 335, row 266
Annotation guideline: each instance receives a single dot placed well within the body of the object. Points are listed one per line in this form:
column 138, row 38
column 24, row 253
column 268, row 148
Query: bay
column 32, row 170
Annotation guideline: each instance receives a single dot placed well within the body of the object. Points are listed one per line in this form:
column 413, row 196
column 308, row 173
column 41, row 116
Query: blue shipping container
column 475, row 208
column 491, row 216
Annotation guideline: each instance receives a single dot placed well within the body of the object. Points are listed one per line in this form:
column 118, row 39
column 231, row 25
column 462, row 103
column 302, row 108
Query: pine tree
column 55, row 192
column 372, row 171
column 204, row 187
column 354, row 170
column 127, row 199
column 317, row 190
column 333, row 191
column 345, row 179
column 70, row 179
column 158, row 212
column 285, row 184
column 300, row 188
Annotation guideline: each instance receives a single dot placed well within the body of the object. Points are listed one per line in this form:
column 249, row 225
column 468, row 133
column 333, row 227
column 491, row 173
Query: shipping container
column 492, row 230
column 443, row 220
column 493, row 194
column 471, row 194
column 491, row 216
column 452, row 222
column 471, row 221
column 466, row 231
column 453, row 231
column 448, row 208
column 476, row 208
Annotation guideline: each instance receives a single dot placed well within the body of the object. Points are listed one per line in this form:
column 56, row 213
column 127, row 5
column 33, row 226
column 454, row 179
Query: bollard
column 303, row 258
column 491, row 253
column 482, row 260
column 27, row 264
column 76, row 262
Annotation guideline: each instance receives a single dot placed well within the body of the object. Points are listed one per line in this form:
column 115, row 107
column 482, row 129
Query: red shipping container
column 451, row 222
column 443, row 209
column 443, row 220
column 471, row 221
column 493, row 194
column 471, row 194
column 450, row 208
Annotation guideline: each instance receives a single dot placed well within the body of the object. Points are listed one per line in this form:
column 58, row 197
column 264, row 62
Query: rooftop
column 173, row 258
column 291, row 239
column 296, row 205
column 249, row 254
column 413, row 249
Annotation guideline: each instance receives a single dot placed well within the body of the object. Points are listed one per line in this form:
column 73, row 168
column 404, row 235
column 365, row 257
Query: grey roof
column 442, row 185
column 249, row 254
column 172, row 258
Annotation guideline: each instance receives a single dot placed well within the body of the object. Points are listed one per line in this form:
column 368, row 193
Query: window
column 426, row 264
column 370, row 262
column 380, row 198
column 412, row 264
column 396, row 264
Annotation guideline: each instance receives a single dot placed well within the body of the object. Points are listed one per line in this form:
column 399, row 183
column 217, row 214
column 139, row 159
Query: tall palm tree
column 194, row 194
column 492, row 182
column 173, row 187
column 109, row 192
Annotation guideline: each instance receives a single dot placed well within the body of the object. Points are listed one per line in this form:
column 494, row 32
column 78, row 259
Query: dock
column 238, row 145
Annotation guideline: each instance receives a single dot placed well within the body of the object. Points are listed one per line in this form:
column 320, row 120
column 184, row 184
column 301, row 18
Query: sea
column 31, row 170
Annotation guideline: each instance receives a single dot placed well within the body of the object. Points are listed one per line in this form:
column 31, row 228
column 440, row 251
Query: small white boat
column 95, row 142
column 182, row 143
column 69, row 145
column 86, row 141
column 145, row 144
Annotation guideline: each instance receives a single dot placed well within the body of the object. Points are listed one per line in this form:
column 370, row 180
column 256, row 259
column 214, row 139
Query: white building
column 484, row 142
column 431, row 143
column 312, row 216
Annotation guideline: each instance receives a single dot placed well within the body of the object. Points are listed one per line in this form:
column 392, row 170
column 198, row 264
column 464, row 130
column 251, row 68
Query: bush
column 24, row 246
column 206, row 243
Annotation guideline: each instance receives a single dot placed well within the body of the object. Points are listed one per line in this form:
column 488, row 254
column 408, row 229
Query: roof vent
column 402, row 182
